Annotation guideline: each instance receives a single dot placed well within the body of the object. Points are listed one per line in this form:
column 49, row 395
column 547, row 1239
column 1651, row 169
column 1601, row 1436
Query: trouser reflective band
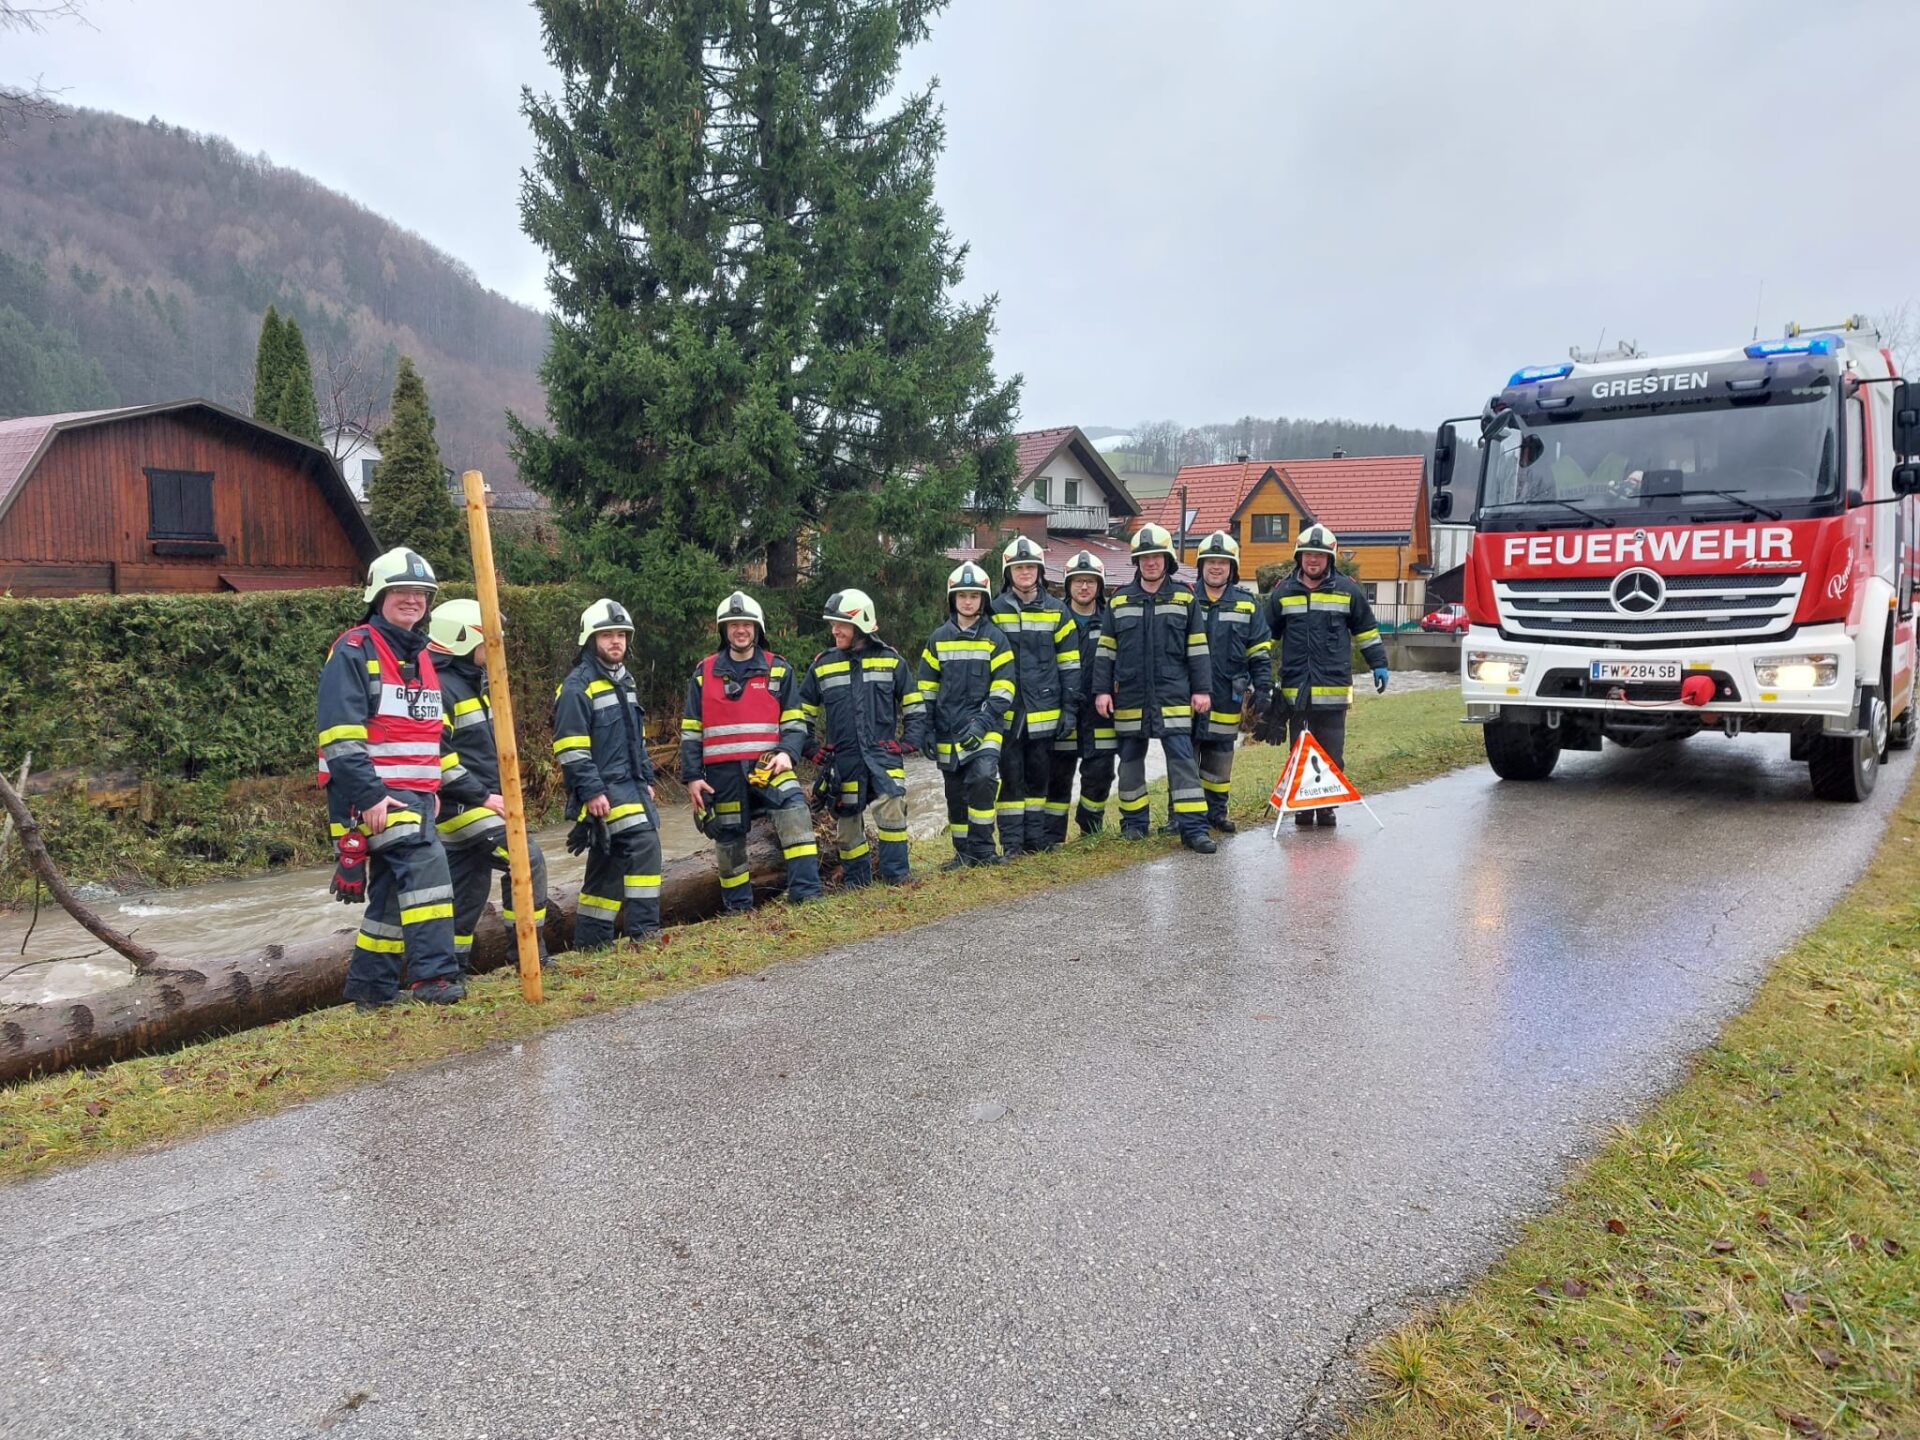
column 598, row 902
column 856, row 856
column 409, row 914
column 642, row 887
column 730, row 882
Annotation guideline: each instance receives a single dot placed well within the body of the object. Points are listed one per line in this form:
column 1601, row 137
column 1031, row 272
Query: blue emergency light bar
column 1799, row 345
column 1533, row 374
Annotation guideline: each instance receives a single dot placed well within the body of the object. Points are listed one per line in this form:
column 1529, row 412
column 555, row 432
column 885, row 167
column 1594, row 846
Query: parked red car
column 1449, row 619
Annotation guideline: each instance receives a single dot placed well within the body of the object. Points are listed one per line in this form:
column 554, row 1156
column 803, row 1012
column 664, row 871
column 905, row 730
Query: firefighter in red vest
column 378, row 724
column 740, row 732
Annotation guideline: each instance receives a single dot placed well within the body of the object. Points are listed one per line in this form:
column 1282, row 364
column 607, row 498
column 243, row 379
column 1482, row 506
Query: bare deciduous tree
column 20, row 104
column 353, row 387
column 1899, row 329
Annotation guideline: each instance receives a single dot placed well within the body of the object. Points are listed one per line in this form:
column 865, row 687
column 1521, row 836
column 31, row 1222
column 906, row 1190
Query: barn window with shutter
column 180, row 505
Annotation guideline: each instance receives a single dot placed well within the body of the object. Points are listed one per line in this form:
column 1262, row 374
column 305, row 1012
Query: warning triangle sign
column 1311, row 780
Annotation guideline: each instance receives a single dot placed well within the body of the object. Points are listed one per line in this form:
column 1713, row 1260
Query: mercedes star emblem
column 1638, row 592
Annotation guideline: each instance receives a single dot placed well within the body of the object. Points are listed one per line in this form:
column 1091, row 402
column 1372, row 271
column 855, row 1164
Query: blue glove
column 1379, row 678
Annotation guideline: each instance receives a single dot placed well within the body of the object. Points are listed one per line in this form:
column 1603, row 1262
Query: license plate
column 1634, row 672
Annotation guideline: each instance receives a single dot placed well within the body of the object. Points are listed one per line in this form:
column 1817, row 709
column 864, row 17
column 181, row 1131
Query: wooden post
column 505, row 739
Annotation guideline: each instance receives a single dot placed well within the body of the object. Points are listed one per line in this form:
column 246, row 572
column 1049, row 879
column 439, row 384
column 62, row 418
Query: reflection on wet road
column 1125, row 1158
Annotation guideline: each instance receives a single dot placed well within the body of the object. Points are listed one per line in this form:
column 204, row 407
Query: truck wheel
column 1519, row 751
column 1844, row 768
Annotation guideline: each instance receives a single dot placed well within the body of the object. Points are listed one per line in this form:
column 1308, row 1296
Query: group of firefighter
column 1015, row 696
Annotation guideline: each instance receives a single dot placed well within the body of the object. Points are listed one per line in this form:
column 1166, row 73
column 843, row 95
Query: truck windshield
column 1664, row 466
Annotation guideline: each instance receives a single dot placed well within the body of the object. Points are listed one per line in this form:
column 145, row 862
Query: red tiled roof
column 1035, row 446
column 21, row 439
column 1114, row 554
column 1367, row 494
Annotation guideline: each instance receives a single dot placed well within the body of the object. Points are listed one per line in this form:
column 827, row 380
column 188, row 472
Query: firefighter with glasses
column 966, row 674
column 1093, row 742
column 1317, row 616
column 599, row 738
column 862, row 702
column 1153, row 674
column 741, row 732
column 472, row 822
column 1047, row 675
column 379, row 724
column 1240, row 646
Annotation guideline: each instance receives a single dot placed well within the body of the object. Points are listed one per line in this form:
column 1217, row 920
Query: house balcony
column 1077, row 519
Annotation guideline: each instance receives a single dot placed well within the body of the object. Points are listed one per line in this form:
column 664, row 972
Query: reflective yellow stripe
column 594, row 902
column 383, row 947
column 1366, row 637
column 800, row 851
column 599, row 687
column 1043, row 715
column 449, row 760
column 1187, row 807
column 690, row 726
column 833, row 667
column 854, row 852
column 342, row 732
column 734, row 882
column 571, row 742
column 442, row 911
column 1005, row 657
column 893, row 835
column 467, row 707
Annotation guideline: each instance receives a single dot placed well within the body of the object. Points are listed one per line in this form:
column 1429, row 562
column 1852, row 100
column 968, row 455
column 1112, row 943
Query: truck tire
column 1845, row 768
column 1518, row 751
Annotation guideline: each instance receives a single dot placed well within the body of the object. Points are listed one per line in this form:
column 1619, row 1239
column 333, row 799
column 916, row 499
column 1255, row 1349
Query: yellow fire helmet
column 967, row 576
column 1022, row 551
column 741, row 606
column 604, row 615
column 855, row 608
column 1317, row 537
column 1153, row 540
column 454, row 626
column 1220, row 546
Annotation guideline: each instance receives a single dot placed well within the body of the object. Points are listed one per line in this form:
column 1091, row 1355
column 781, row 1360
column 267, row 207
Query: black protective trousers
column 1026, row 767
column 972, row 786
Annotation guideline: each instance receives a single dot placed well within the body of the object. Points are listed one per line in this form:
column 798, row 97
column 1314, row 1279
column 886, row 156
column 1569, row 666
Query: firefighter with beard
column 1153, row 674
column 862, row 702
column 599, row 738
column 378, row 735
column 1047, row 675
column 966, row 673
column 1317, row 616
column 741, row 731
column 1240, row 646
column 1093, row 743
column 472, row 823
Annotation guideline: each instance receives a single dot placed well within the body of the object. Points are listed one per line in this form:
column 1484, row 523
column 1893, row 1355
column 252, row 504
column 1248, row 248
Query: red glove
column 895, row 749
column 349, row 883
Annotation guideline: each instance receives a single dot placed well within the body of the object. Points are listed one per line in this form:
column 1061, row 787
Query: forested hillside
column 136, row 260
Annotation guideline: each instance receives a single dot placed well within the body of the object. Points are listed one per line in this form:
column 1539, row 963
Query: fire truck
column 1714, row 541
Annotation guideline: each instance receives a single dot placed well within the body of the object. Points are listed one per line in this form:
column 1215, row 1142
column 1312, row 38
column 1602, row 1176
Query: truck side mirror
column 1906, row 421
column 1440, row 505
column 1906, row 478
column 1443, row 452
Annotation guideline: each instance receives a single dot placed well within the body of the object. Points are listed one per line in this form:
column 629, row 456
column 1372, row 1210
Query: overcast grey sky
column 1207, row 209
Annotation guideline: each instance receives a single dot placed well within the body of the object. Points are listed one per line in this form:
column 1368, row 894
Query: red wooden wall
column 79, row 523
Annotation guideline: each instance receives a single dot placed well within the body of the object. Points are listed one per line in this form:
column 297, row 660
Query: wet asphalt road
column 1131, row 1158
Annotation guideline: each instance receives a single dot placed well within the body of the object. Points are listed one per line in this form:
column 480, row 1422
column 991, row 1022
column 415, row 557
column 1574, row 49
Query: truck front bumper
column 1497, row 672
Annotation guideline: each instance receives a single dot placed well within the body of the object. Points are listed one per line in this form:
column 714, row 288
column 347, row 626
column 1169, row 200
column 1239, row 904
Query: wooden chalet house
column 184, row 496
column 1066, row 498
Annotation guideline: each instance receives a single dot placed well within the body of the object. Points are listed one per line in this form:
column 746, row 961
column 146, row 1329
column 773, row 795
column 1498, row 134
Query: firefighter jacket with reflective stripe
column 1088, row 629
column 469, row 756
column 855, row 700
column 1153, row 658
column 765, row 715
column 1240, row 646
column 599, row 737
column 378, row 715
column 1046, row 660
column 967, row 675
column 1314, row 632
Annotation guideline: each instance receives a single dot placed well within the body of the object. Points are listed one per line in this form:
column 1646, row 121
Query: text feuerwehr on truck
column 1721, row 540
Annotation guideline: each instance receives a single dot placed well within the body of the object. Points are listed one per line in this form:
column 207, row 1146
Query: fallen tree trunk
column 194, row 999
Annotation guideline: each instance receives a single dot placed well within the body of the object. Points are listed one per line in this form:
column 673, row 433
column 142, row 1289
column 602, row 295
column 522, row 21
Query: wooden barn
column 186, row 496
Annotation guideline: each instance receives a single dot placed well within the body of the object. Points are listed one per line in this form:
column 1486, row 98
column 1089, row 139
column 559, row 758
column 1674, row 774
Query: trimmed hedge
column 221, row 687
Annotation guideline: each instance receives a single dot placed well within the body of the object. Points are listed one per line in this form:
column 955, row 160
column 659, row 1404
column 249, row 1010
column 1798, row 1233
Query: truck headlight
column 1494, row 667
column 1797, row 672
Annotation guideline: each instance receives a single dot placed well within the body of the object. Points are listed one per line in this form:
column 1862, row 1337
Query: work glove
column 349, row 882
column 589, row 834
column 1262, row 705
column 1380, row 673
column 974, row 735
column 820, row 755
column 898, row 750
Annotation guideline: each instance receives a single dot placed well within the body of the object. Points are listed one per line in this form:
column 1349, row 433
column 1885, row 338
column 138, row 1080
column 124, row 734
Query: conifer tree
column 298, row 411
column 269, row 370
column 755, row 337
column 408, row 501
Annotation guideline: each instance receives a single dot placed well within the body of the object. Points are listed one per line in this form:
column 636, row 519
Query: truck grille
column 1695, row 607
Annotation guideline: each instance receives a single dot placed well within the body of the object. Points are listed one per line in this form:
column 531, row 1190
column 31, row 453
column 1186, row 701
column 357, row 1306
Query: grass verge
column 1739, row 1262
column 62, row 1119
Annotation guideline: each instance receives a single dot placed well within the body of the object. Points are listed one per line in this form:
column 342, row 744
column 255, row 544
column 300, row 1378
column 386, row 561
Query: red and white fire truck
column 1724, row 540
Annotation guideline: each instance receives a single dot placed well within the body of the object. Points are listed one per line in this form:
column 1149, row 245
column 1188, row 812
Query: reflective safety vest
column 742, row 728
column 403, row 727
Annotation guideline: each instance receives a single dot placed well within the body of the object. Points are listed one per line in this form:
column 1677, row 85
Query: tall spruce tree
column 269, row 370
column 298, row 413
column 755, row 337
column 408, row 502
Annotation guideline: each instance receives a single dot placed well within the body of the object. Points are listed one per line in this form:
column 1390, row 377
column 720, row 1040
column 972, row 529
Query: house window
column 180, row 505
column 1070, row 492
column 367, row 467
column 1043, row 490
column 1270, row 529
